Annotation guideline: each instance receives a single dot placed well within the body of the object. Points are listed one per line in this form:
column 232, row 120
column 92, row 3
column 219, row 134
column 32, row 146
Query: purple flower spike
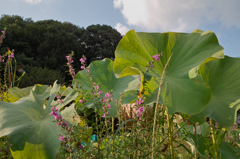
column 140, row 110
column 56, row 117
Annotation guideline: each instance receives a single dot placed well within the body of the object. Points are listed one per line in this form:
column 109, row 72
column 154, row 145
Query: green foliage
column 45, row 43
column 31, row 129
column 38, row 75
column 228, row 151
column 102, row 74
column 100, row 41
column 199, row 82
column 29, row 126
column 223, row 79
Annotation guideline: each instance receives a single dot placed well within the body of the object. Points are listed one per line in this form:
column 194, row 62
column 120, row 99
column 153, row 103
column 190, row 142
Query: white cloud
column 33, row 1
column 179, row 15
column 121, row 28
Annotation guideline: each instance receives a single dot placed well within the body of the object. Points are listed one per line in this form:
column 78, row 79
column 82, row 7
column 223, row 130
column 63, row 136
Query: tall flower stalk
column 156, row 57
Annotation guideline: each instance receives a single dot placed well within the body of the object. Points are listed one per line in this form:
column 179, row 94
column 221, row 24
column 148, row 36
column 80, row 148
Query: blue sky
column 220, row 16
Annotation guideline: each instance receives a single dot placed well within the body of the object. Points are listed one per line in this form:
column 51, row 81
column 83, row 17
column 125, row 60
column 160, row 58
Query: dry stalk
column 155, row 112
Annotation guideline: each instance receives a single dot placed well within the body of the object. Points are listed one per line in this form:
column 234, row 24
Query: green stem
column 113, row 125
column 170, row 136
column 159, row 144
column 15, row 71
column 195, row 133
column 213, row 138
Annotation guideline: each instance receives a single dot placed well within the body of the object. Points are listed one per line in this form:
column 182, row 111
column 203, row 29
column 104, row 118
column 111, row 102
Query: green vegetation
column 166, row 95
column 44, row 44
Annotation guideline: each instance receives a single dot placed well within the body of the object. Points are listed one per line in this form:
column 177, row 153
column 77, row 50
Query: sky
column 219, row 16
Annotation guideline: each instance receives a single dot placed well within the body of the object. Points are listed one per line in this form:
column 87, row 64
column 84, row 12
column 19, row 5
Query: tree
column 100, row 41
column 46, row 43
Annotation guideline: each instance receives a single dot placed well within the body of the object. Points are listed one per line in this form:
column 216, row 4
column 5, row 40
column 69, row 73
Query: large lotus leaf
column 29, row 125
column 223, row 78
column 183, row 90
column 102, row 74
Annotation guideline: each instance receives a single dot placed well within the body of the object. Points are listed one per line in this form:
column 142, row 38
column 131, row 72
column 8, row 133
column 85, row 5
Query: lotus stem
column 15, row 71
column 213, row 139
column 195, row 133
column 170, row 136
column 155, row 111
column 113, row 125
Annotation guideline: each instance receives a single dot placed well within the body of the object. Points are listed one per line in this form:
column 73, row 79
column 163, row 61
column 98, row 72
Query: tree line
column 41, row 47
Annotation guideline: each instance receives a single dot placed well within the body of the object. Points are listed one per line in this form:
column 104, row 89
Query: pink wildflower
column 109, row 106
column 58, row 96
column 140, row 109
column 61, row 138
column 100, row 92
column 107, row 95
column 104, row 116
column 82, row 60
column 68, row 58
column 61, row 101
column 156, row 57
column 82, row 67
column 104, row 99
column 140, row 101
column 56, row 117
column 80, row 101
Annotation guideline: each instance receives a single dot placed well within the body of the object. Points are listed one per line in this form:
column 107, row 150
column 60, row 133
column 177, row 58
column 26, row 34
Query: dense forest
column 41, row 47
